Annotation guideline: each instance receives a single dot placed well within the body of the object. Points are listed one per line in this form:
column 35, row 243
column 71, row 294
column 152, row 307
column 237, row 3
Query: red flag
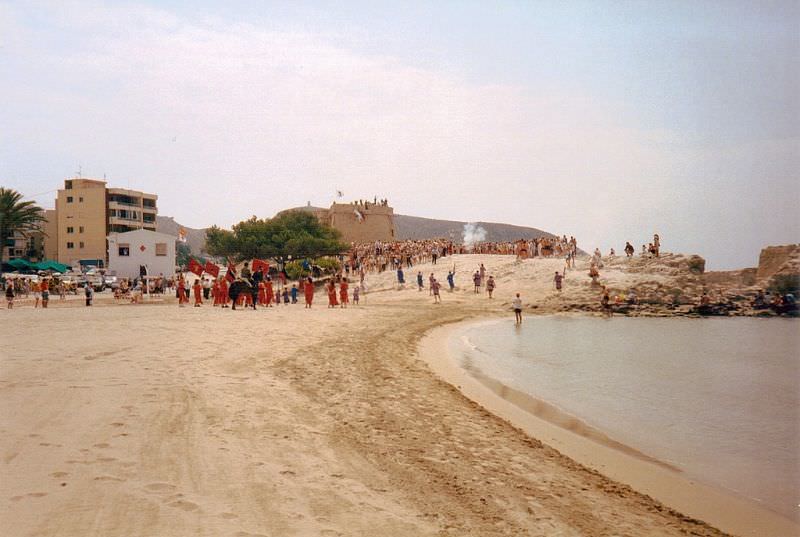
column 262, row 265
column 195, row 267
column 231, row 274
column 212, row 269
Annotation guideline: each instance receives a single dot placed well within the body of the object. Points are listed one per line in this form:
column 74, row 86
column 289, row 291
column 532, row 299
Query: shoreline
column 596, row 451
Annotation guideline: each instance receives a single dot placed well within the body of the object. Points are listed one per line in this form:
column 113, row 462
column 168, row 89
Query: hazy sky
column 605, row 120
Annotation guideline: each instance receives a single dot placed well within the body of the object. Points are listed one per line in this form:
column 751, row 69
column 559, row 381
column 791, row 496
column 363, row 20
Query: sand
column 125, row 420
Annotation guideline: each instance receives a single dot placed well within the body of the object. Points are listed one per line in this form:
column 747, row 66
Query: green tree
column 296, row 233
column 16, row 215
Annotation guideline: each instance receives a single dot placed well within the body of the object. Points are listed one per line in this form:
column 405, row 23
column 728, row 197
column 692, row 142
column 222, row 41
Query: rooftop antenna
column 79, row 172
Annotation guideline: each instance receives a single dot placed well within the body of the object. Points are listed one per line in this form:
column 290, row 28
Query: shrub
column 294, row 270
column 328, row 264
column 697, row 264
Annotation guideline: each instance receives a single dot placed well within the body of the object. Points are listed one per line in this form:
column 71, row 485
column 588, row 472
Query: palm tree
column 17, row 216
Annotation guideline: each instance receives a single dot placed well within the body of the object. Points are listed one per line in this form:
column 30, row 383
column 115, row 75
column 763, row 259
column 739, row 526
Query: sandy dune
column 151, row 420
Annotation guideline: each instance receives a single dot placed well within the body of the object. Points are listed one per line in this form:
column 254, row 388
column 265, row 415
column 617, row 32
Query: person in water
column 516, row 305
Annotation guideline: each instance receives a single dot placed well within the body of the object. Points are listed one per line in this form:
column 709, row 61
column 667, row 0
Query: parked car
column 110, row 279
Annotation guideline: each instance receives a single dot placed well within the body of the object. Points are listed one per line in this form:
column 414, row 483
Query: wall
column 377, row 224
column 778, row 260
column 89, row 213
column 51, row 235
column 128, row 266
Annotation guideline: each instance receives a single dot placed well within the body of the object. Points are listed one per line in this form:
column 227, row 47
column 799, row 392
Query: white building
column 132, row 249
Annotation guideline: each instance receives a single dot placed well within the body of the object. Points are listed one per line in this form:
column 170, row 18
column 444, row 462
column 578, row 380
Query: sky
column 609, row 121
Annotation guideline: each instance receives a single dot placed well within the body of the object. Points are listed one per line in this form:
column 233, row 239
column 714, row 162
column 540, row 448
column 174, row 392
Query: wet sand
column 127, row 420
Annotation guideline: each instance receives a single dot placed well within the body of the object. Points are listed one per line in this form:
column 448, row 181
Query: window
column 70, row 245
column 161, row 248
column 68, row 185
column 124, row 250
column 69, row 199
column 11, row 252
column 80, row 200
column 80, row 229
column 112, row 212
column 80, row 245
column 70, row 229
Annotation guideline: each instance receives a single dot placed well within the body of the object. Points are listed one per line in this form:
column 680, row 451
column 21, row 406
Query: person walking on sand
column 490, row 285
column 308, row 291
column 10, row 295
column 431, row 279
column 483, row 274
column 419, row 281
column 356, row 293
column 451, row 281
column 198, row 293
column 476, row 279
column 516, row 305
column 437, row 299
column 557, row 279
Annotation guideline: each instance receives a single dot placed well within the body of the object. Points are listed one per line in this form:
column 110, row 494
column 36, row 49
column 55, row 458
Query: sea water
column 719, row 399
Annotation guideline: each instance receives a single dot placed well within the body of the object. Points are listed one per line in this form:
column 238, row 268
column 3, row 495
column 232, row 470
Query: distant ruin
column 359, row 221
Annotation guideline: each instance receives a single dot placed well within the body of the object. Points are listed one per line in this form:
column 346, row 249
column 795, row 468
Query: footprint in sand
column 117, row 424
column 59, row 474
column 160, row 487
column 28, row 495
column 102, row 445
column 184, row 505
column 287, row 472
column 109, row 478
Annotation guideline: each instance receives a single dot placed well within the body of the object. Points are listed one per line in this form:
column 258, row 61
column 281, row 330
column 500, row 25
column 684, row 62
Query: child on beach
column 356, row 294
column 490, row 285
column 294, row 293
column 198, row 293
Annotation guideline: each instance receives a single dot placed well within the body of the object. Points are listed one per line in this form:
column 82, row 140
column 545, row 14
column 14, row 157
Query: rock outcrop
column 778, row 260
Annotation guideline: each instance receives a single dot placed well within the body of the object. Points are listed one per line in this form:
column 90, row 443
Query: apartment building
column 87, row 211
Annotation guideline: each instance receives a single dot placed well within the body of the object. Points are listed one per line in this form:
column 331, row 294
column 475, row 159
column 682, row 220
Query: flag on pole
column 212, row 269
column 231, row 274
column 195, row 267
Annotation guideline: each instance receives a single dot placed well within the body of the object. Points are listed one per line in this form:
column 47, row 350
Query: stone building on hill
column 361, row 221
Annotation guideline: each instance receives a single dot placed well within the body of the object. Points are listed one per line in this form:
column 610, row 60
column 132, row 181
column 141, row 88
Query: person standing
column 557, row 280
column 435, row 286
column 308, row 291
column 10, row 295
column 490, row 285
column 37, row 295
column 419, row 281
column 451, row 281
column 45, row 293
column 356, row 293
column 88, row 292
column 476, row 279
column 198, row 293
column 181, row 289
column 343, row 294
column 206, row 288
column 516, row 304
column 331, row 288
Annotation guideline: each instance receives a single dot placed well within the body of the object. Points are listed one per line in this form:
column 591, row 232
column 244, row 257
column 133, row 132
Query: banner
column 212, row 269
column 262, row 265
column 195, row 267
column 231, row 274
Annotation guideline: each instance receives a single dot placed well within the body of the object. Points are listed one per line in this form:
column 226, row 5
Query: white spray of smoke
column 473, row 233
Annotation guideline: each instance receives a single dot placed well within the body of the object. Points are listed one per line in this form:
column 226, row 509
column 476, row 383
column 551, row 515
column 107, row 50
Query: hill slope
column 415, row 227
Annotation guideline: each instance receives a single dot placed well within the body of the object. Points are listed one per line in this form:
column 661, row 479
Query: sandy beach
column 124, row 420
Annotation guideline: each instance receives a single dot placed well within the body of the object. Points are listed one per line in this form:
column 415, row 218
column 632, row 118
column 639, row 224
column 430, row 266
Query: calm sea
column 717, row 398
